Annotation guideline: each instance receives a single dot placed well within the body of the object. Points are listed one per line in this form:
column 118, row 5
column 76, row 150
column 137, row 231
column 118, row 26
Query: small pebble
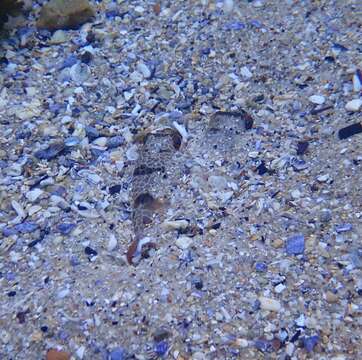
column 58, row 37
column 331, row 297
column 302, row 147
column 91, row 132
column 115, row 189
column 295, row 245
column 322, row 178
column 279, row 288
column 144, row 70
column 89, row 251
column 63, row 293
column 112, row 243
column 317, row 99
column 184, row 242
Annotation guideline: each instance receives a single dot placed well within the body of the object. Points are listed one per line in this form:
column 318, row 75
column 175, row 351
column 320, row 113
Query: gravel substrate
column 257, row 251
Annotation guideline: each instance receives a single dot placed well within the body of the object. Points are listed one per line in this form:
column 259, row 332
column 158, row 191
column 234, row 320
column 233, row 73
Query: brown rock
column 64, row 14
column 331, row 298
column 277, row 243
column 54, row 354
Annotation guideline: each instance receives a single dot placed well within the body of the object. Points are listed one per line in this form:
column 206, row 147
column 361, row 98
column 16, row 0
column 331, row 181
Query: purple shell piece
column 236, row 25
column 343, row 228
column 295, row 245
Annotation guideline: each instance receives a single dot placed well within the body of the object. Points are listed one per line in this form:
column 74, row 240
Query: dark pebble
column 26, row 227
column 262, row 168
column 66, row 228
column 21, row 316
column 295, row 245
column 198, row 284
column 44, row 328
column 115, row 189
column 89, row 251
column 302, row 147
column 51, row 152
column 349, row 131
column 23, row 134
column 160, row 334
column 295, row 337
column 86, row 57
column 339, row 47
column 329, row 59
column 11, row 293
column 35, row 242
column 115, row 141
column 90, row 37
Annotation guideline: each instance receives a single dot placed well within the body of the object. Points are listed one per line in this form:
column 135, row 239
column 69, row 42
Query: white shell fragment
column 184, row 242
column 270, row 304
column 354, row 105
column 317, row 99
